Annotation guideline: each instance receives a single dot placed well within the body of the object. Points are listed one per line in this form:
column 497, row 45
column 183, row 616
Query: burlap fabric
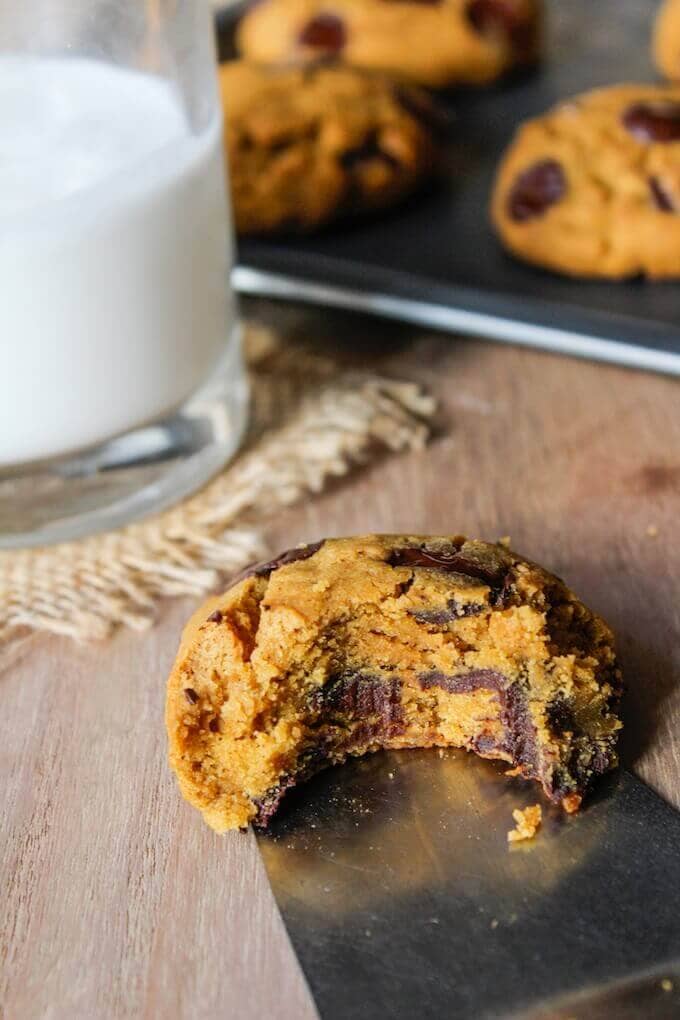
column 310, row 422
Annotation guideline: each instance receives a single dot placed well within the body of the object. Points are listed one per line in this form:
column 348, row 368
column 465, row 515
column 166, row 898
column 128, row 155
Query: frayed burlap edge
column 309, row 424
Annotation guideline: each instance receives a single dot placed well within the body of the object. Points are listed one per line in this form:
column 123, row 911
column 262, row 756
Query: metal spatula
column 403, row 898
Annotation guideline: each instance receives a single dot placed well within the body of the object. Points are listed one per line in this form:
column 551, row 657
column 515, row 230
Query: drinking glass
column 122, row 386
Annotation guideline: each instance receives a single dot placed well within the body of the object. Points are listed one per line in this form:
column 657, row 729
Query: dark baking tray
column 435, row 260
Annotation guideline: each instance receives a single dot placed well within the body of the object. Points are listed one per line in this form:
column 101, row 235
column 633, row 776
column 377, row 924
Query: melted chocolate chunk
column 454, row 611
column 503, row 18
column 215, row 617
column 302, row 552
column 453, row 561
column 519, row 739
column 536, row 190
column 662, row 199
column 214, row 725
column 653, row 122
column 324, row 32
column 464, row 683
column 191, row 695
column 520, row 732
column 370, row 151
column 362, row 696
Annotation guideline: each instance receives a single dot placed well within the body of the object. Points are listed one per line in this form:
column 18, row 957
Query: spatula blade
column 403, row 899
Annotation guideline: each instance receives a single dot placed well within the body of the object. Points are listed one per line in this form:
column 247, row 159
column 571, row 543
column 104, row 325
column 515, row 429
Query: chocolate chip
column 654, row 121
column 662, row 199
column 464, row 683
column 560, row 716
column 503, row 18
column 214, row 725
column 535, row 190
column 454, row 611
column 369, row 152
column 215, row 617
column 191, row 695
column 324, row 32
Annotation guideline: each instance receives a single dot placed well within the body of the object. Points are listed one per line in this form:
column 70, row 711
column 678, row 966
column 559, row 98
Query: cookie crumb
column 572, row 802
column 667, row 985
column 505, row 540
column 652, row 531
column 517, row 771
column 528, row 823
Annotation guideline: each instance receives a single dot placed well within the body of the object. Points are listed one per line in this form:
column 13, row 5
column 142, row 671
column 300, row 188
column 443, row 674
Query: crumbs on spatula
column 528, row 823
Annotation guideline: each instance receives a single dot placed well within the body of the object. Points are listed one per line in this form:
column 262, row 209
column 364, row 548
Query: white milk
column 114, row 254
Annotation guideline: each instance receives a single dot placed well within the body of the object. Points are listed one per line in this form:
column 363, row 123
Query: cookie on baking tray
column 666, row 39
column 351, row 645
column 592, row 188
column 307, row 145
column 432, row 42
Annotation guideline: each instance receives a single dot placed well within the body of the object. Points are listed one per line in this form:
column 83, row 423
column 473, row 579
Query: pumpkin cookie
column 306, row 146
column 431, row 42
column 351, row 645
column 666, row 39
column 592, row 188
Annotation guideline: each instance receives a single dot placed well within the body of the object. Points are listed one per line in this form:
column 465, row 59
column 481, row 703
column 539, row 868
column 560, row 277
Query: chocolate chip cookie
column 666, row 39
column 308, row 145
column 593, row 187
column 351, row 645
column 431, row 42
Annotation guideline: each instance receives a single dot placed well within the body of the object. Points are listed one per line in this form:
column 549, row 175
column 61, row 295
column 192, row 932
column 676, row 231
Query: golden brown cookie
column 592, row 188
column 351, row 645
column 666, row 39
column 438, row 43
column 305, row 146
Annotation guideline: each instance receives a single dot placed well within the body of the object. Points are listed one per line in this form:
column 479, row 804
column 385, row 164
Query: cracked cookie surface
column 305, row 146
column 431, row 42
column 351, row 645
column 592, row 188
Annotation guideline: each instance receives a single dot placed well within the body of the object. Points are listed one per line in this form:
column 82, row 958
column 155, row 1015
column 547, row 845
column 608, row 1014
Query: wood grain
column 116, row 900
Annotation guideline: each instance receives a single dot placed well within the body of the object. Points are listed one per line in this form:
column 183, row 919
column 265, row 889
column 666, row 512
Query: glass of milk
column 122, row 387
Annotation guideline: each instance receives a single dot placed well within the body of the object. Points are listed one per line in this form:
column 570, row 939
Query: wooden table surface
column 116, row 900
